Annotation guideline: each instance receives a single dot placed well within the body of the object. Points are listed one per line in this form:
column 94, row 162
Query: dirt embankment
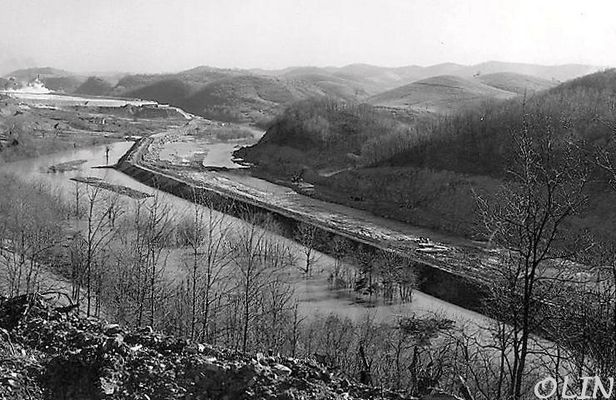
column 123, row 190
column 455, row 278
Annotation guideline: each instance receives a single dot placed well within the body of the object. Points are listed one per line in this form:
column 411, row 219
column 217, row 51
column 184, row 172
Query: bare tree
column 78, row 195
column 527, row 218
column 97, row 236
column 205, row 233
column 339, row 249
column 590, row 328
column 306, row 235
column 31, row 229
column 366, row 260
column 276, row 310
column 258, row 259
column 395, row 272
column 154, row 232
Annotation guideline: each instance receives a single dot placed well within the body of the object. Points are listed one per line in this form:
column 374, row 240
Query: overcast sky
column 157, row 36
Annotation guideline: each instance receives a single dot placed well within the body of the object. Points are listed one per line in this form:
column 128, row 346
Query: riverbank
column 456, row 272
column 246, row 193
column 316, row 295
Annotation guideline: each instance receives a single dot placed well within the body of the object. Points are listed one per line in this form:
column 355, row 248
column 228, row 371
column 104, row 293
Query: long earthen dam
column 458, row 275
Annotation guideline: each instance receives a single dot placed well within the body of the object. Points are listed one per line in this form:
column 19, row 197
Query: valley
column 452, row 268
column 361, row 215
column 235, row 185
column 307, row 200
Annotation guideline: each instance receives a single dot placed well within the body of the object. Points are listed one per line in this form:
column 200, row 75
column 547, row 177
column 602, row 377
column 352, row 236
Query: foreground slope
column 49, row 352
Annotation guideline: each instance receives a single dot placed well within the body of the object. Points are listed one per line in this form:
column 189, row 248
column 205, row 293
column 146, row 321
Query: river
column 313, row 294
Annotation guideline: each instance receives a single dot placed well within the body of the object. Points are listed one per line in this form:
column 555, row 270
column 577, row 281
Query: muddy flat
column 66, row 166
column 122, row 190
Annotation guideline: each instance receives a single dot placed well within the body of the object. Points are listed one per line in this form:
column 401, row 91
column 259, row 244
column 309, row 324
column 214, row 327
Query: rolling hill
column 381, row 78
column 440, row 94
column 385, row 78
column 559, row 73
column 194, row 78
column 236, row 95
column 335, row 86
column 247, row 97
column 319, row 133
column 166, row 91
column 477, row 141
column 258, row 95
column 231, row 95
column 29, row 74
column 516, row 83
column 252, row 95
column 94, row 86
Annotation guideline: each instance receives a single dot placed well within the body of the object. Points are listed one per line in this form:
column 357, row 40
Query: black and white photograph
column 307, row 199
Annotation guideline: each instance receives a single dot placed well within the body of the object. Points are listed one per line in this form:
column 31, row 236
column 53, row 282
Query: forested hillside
column 94, row 86
column 480, row 141
column 429, row 172
column 167, row 91
column 324, row 133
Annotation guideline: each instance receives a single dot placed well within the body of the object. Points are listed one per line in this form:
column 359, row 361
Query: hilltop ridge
column 257, row 95
column 440, row 94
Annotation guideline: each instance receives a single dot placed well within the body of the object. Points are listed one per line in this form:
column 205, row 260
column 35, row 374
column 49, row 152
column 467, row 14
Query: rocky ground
column 49, row 352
